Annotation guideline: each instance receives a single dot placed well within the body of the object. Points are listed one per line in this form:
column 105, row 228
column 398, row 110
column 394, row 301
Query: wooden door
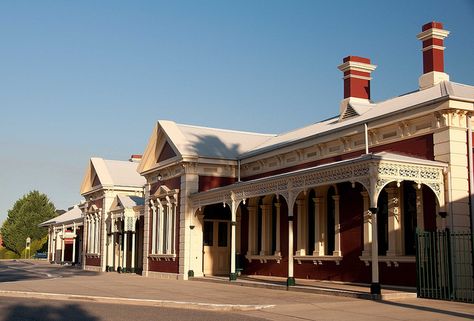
column 216, row 247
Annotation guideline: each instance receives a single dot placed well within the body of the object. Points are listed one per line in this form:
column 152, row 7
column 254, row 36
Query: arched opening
column 403, row 208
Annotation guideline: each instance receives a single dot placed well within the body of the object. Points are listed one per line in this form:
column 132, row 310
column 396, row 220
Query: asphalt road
column 18, row 270
column 20, row 309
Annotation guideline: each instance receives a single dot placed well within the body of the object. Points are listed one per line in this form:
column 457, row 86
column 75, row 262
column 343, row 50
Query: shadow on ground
column 70, row 312
column 429, row 309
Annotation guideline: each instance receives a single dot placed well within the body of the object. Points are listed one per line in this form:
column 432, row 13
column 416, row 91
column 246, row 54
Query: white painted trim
column 432, row 33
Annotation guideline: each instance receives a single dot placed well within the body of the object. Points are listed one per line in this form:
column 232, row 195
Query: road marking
column 132, row 301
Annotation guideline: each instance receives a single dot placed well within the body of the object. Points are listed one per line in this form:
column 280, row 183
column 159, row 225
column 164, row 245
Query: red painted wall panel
column 93, row 261
column 421, row 147
column 210, row 182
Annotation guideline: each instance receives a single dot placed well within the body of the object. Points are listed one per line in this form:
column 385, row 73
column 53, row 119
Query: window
column 222, row 234
column 163, row 222
column 317, row 224
column 264, row 227
column 93, row 233
column 208, row 233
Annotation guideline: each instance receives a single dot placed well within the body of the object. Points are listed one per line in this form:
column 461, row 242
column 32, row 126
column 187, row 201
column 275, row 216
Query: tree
column 23, row 220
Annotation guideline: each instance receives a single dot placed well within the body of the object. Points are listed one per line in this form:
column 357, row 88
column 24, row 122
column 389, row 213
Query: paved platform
column 361, row 291
column 259, row 300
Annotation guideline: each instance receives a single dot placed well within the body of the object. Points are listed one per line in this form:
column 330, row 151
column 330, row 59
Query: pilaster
column 450, row 146
column 190, row 258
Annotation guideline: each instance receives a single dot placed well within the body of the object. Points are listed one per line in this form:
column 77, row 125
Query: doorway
column 216, row 240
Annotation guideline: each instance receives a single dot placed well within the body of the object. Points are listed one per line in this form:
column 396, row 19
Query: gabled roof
column 108, row 173
column 74, row 214
column 126, row 202
column 189, row 141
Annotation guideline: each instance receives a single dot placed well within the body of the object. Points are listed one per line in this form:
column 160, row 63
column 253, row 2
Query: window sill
column 263, row 258
column 390, row 260
column 164, row 257
column 318, row 260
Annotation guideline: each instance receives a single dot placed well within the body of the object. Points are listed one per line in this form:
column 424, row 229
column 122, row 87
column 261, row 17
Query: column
column 367, row 225
column 88, row 239
column 375, row 286
column 291, row 279
column 124, row 265
column 252, row 232
column 277, row 229
column 337, row 227
column 49, row 243
column 147, row 231
column 233, row 275
column 55, row 243
column 318, row 244
column 62, row 245
column 120, row 250
column 132, row 264
column 301, row 227
column 394, row 227
column 113, row 249
column 74, row 244
column 153, row 229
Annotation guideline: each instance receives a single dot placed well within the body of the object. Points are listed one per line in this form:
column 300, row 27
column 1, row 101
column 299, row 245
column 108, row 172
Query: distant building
column 65, row 236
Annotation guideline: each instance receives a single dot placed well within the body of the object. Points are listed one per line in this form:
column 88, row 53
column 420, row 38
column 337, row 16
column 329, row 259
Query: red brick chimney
column 135, row 158
column 432, row 36
column 357, row 78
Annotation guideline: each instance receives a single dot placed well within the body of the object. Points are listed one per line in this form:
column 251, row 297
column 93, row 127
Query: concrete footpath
column 260, row 301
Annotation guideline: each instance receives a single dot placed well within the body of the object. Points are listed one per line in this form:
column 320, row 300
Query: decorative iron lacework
column 129, row 223
column 373, row 174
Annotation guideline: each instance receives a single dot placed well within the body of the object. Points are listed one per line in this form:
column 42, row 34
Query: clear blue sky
column 90, row 78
